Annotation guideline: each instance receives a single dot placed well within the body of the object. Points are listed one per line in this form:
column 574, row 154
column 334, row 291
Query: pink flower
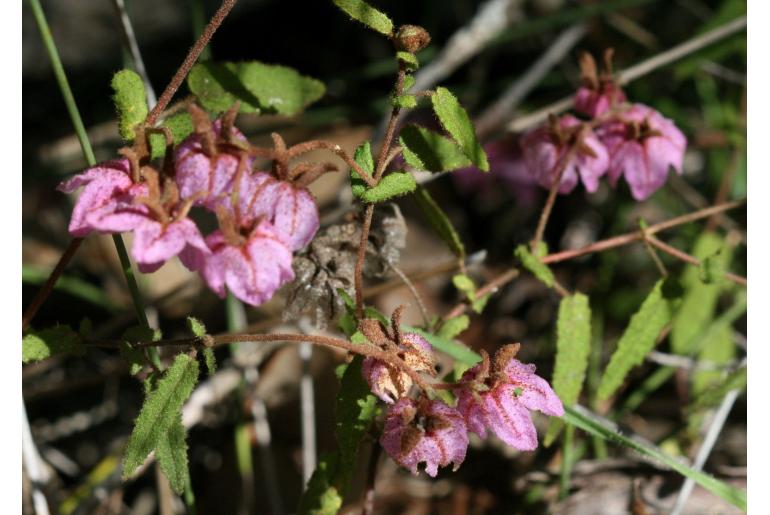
column 108, row 190
column 424, row 431
column 642, row 146
column 252, row 268
column 206, row 164
column 501, row 400
column 155, row 243
column 598, row 92
column 390, row 384
column 547, row 147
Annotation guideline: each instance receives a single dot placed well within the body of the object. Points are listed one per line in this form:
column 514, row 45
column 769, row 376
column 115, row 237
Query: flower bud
column 412, row 38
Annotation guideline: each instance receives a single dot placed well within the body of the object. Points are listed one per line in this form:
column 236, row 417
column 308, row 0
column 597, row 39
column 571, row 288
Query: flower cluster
column 264, row 217
column 495, row 394
column 620, row 139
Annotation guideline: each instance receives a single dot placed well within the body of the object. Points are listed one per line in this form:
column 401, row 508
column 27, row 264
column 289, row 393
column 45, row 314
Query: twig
column 413, row 290
column 643, row 68
column 496, row 114
column 720, row 417
column 54, row 276
column 189, row 61
column 687, row 258
column 625, row 239
column 490, row 287
column 549, row 202
column 133, row 48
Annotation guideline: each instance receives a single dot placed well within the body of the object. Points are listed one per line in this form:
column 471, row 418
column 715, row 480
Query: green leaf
column 409, row 81
column 395, row 184
column 171, row 451
column 196, row 327
column 637, row 340
column 573, row 346
column 439, row 222
column 180, row 126
column 320, row 496
column 356, row 408
column 714, row 395
column 450, row 347
column 465, row 284
column 405, row 101
column 130, row 102
column 259, row 87
column 366, row 14
column 700, row 300
column 458, row 124
column 363, row 157
column 603, row 428
column 453, row 327
column 712, row 269
column 535, row 266
column 409, row 60
column 428, row 150
column 129, row 349
column 39, row 345
column 161, row 409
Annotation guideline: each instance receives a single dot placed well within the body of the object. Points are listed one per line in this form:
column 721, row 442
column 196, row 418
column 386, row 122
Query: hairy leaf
column 171, row 451
column 535, row 266
column 395, row 184
column 428, row 150
column 161, row 408
column 39, row 345
column 130, row 102
column 573, row 345
column 637, row 340
column 180, row 126
column 259, row 87
column 458, row 124
column 439, row 222
column 714, row 395
column 409, row 60
column 363, row 157
column 405, row 101
column 453, row 327
column 699, row 302
column 366, row 14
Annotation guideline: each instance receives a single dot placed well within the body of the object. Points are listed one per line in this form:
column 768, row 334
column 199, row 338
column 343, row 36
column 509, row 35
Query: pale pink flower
column 424, row 431
column 547, row 147
column 212, row 175
column 252, row 268
column 156, row 243
column 599, row 92
column 390, row 384
column 107, row 190
column 501, row 399
column 642, row 146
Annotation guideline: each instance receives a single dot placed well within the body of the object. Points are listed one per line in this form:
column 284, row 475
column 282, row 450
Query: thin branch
column 307, row 146
column 54, row 276
column 496, row 114
column 189, row 61
column 546, row 213
column 413, row 290
column 489, row 288
column 687, row 258
column 133, row 48
column 639, row 70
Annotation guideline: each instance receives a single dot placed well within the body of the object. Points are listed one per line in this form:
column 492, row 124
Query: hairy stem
column 189, row 61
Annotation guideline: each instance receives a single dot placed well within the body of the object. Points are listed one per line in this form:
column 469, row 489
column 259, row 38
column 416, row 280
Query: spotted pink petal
column 100, row 185
column 252, row 271
column 534, row 391
column 257, row 197
column 121, row 213
column 154, row 244
column 296, row 216
column 434, row 434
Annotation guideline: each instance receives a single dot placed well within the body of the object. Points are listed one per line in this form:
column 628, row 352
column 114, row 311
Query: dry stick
column 640, row 69
column 189, row 61
column 45, row 291
column 625, row 239
column 687, row 258
column 496, row 114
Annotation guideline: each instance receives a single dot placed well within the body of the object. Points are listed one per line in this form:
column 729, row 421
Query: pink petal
column 509, row 419
column 296, row 216
column 535, row 393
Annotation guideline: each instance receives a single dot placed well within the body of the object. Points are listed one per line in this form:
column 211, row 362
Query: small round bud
column 412, row 38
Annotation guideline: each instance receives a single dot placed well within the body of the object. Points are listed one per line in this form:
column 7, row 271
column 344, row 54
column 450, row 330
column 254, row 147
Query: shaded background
column 81, row 409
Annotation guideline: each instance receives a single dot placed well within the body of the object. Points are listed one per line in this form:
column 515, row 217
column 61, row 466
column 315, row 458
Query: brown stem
column 488, row 288
column 358, row 272
column 189, row 61
column 551, row 200
column 687, row 258
column 308, row 146
column 392, row 155
column 391, row 130
column 625, row 239
column 45, row 291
